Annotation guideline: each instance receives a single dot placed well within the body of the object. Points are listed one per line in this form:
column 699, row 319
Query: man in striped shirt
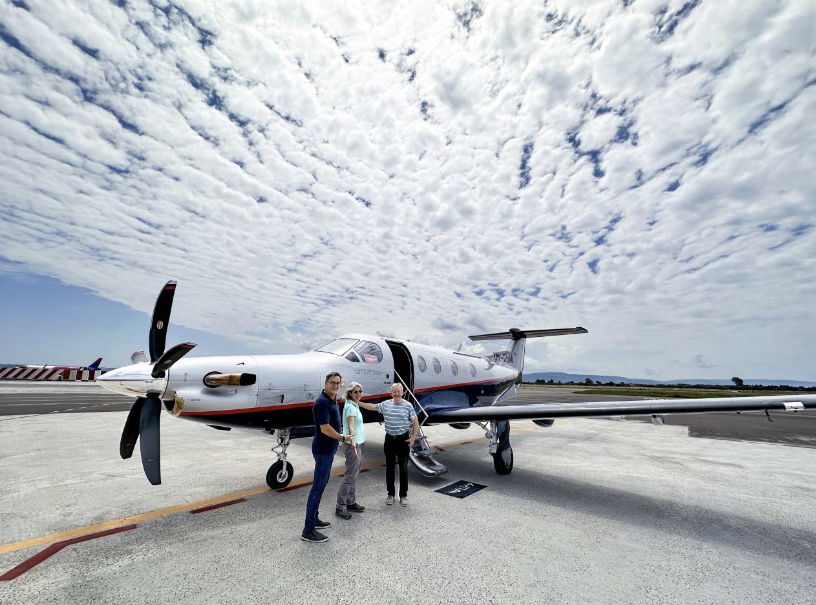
column 401, row 429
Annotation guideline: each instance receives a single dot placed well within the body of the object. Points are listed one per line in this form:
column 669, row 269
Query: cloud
column 426, row 170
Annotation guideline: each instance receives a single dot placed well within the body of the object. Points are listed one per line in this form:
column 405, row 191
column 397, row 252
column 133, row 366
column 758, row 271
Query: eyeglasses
column 333, row 382
column 356, row 392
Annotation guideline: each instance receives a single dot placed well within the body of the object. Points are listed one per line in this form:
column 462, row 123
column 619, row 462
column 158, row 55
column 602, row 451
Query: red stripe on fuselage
column 464, row 384
column 291, row 406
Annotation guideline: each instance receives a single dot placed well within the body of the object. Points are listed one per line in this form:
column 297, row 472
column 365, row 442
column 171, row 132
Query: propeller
column 143, row 419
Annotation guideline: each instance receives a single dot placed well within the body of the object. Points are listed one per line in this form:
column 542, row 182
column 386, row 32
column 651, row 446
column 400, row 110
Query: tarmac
column 595, row 511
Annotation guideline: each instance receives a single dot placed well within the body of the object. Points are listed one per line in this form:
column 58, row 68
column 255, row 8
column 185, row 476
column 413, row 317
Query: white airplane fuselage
column 287, row 385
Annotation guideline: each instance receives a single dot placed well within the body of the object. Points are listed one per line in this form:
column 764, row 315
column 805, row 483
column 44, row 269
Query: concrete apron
column 595, row 511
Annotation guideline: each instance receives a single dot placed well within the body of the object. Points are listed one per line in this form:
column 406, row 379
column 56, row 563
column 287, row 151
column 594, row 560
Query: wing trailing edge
column 643, row 407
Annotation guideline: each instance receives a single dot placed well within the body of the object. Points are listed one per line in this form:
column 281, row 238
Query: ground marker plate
column 461, row 489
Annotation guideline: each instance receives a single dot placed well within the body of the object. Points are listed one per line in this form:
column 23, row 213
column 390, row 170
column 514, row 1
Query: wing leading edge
column 644, row 407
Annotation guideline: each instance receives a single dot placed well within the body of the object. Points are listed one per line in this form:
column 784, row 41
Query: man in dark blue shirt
column 327, row 436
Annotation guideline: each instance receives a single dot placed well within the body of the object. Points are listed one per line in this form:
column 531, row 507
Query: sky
column 418, row 170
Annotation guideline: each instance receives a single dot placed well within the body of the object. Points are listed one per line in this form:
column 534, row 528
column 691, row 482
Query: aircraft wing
column 642, row 407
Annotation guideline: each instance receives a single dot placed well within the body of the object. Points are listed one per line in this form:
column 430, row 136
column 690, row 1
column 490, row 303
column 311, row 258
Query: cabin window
column 421, row 363
column 454, row 368
column 338, row 347
column 437, row 365
column 352, row 356
column 369, row 352
column 473, row 370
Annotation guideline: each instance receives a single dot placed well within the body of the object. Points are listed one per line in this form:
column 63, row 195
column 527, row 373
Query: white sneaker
column 404, row 501
column 389, row 500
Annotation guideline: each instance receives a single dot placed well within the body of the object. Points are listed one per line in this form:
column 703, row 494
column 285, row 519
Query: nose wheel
column 280, row 474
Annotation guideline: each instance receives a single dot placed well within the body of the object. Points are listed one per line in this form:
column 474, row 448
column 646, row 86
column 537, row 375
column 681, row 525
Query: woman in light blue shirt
column 353, row 449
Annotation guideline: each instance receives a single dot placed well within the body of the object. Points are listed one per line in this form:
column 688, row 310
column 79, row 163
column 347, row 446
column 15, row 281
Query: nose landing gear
column 280, row 474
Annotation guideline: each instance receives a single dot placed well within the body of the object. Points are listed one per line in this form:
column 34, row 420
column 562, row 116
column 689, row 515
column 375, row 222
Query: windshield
column 338, row 347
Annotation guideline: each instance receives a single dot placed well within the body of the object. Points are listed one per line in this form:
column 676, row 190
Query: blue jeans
column 323, row 464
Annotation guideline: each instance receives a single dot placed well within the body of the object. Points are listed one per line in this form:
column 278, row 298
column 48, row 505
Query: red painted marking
column 291, row 487
column 55, row 548
column 365, row 470
column 204, row 509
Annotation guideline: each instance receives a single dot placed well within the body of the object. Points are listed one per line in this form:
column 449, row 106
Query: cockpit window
column 369, row 352
column 352, row 356
column 338, row 346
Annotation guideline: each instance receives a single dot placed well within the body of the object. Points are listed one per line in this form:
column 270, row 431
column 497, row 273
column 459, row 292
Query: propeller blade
column 161, row 317
column 171, row 357
column 131, row 431
column 149, row 438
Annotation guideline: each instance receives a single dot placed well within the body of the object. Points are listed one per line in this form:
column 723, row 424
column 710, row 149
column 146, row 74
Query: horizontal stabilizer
column 642, row 407
column 519, row 334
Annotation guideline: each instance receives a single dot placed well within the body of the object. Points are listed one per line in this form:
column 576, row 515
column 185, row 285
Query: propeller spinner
column 142, row 423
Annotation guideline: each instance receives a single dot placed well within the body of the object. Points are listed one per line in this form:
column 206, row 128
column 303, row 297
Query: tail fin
column 95, row 365
column 518, row 338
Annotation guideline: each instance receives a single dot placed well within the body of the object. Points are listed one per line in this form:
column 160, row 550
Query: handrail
column 410, row 392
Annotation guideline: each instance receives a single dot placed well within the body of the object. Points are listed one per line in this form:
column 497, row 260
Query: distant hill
column 566, row 377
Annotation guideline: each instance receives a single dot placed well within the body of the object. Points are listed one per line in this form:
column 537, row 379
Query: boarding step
column 421, row 457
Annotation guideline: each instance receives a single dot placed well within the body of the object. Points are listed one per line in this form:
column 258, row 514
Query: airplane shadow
column 728, row 529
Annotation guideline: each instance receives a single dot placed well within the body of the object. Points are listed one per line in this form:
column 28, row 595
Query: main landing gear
column 280, row 474
column 498, row 435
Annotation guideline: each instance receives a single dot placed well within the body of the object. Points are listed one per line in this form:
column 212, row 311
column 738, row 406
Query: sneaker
column 342, row 514
column 389, row 500
column 322, row 524
column 355, row 508
column 404, row 501
column 313, row 536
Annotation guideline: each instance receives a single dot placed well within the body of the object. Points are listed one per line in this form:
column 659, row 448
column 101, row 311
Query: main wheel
column 279, row 475
column 503, row 461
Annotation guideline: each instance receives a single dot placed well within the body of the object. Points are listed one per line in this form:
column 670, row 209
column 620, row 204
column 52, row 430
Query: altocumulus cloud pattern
column 427, row 169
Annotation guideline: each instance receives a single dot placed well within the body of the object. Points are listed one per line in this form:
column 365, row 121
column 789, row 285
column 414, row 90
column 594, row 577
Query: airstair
column 421, row 454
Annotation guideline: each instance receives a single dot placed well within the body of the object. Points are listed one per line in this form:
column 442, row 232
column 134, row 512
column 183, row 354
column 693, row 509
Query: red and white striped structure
column 24, row 373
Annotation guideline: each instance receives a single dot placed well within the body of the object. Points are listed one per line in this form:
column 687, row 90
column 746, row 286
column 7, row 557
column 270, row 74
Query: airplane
column 93, row 366
column 274, row 393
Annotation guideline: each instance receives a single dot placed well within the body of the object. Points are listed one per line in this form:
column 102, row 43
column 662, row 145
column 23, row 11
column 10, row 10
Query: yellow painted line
column 75, row 533
column 163, row 512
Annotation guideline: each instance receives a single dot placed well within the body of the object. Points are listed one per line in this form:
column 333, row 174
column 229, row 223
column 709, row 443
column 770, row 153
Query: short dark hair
column 332, row 374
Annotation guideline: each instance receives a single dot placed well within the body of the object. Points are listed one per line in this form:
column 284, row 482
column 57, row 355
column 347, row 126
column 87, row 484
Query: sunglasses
column 356, row 391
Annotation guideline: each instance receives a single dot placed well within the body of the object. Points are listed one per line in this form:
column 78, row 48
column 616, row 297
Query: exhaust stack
column 232, row 380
